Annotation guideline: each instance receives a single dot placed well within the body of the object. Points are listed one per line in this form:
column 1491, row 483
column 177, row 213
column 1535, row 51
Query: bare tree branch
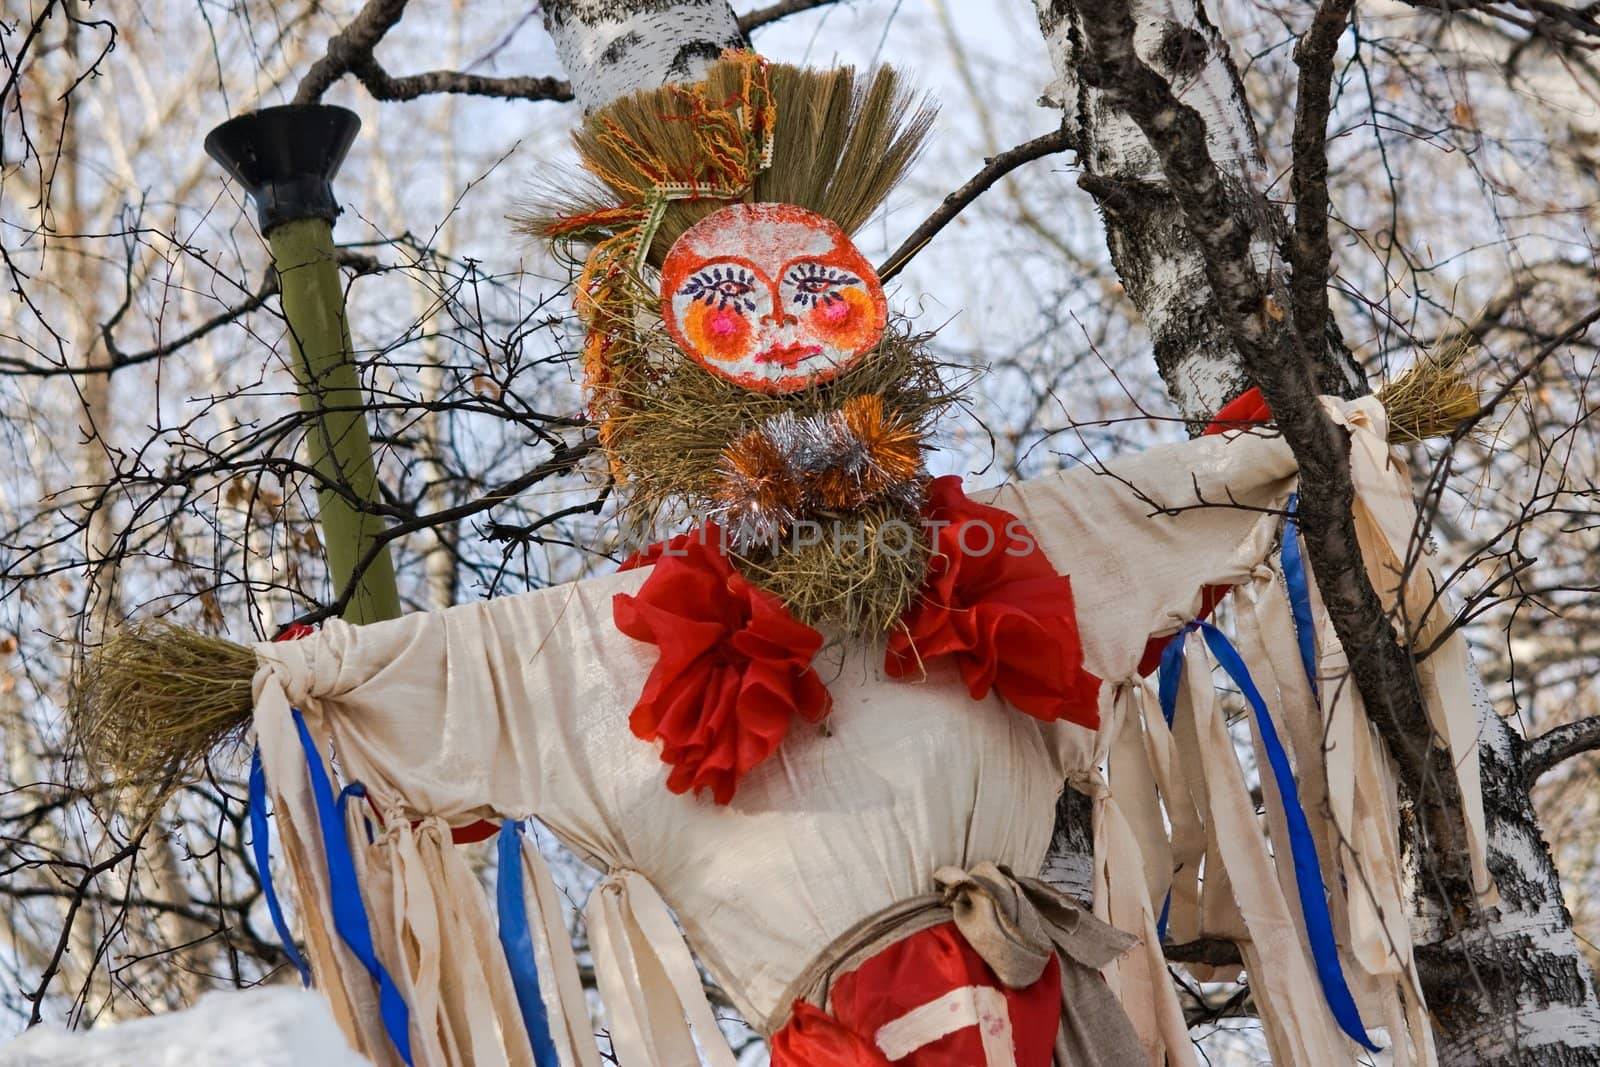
column 350, row 46
column 994, row 169
column 762, row 16
column 384, row 86
column 1559, row 744
column 1308, row 281
column 1258, row 324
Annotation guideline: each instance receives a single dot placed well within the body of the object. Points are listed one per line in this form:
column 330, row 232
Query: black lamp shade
column 286, row 158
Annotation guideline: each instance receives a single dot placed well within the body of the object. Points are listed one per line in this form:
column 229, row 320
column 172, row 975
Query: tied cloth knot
column 1017, row 924
column 1014, row 925
column 1090, row 782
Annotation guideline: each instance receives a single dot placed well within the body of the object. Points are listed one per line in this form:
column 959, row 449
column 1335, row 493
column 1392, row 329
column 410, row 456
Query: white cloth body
column 519, row 707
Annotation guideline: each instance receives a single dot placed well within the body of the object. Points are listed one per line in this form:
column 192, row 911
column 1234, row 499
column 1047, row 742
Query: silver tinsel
column 750, row 526
column 809, row 446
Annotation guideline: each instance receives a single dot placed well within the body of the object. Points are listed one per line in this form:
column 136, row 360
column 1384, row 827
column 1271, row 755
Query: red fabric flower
column 673, row 546
column 734, row 669
column 993, row 602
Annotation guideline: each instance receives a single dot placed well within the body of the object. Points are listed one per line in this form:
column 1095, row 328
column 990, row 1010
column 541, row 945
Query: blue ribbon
column 349, row 912
column 1294, row 576
column 258, row 847
column 1307, row 870
column 517, row 942
column 1167, row 687
column 354, row 789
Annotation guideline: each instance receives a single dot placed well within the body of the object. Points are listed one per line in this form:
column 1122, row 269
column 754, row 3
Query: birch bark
column 1506, row 984
column 1160, row 267
column 610, row 48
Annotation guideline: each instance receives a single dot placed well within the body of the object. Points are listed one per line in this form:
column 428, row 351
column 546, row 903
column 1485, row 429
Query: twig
column 1310, row 252
column 994, row 169
column 1559, row 744
column 761, row 16
column 565, row 458
column 79, row 893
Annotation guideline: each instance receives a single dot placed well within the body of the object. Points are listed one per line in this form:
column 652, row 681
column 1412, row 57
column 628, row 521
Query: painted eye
column 813, row 282
column 721, row 287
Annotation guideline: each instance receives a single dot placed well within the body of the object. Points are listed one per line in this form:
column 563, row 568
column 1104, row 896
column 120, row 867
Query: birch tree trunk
column 1160, row 268
column 610, row 48
column 1506, row 984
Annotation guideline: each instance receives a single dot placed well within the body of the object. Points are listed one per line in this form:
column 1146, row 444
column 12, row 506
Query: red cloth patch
column 813, row 1038
column 993, row 602
column 902, row 978
column 734, row 670
column 1246, row 409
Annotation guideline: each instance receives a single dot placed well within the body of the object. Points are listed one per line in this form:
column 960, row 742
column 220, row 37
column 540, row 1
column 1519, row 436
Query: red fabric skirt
column 926, row 1001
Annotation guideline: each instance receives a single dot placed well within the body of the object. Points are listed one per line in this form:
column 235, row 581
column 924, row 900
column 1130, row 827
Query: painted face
column 771, row 296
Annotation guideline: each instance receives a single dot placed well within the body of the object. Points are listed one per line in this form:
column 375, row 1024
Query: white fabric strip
column 560, row 985
column 648, row 980
column 1293, row 1010
column 335, row 969
column 1386, row 520
column 1122, row 898
column 974, row 1005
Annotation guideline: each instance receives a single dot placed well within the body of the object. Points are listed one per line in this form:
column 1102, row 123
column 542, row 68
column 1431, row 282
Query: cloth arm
column 1144, row 535
column 472, row 712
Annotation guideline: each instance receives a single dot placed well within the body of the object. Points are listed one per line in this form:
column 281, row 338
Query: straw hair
column 860, row 576
column 832, row 142
column 672, row 428
column 154, row 700
column 668, row 443
column 1434, row 396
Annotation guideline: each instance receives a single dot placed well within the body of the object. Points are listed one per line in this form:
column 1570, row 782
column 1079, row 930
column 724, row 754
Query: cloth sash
column 1016, row 925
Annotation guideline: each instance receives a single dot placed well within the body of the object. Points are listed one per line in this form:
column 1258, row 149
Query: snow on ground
column 264, row 1027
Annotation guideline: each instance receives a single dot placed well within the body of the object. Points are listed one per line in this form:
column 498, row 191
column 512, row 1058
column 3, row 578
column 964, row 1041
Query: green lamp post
column 286, row 158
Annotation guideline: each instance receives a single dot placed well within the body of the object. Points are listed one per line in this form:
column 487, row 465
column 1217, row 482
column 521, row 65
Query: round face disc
column 771, row 296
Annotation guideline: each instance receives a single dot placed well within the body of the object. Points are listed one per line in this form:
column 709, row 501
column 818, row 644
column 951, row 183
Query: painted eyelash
column 812, row 272
column 703, row 287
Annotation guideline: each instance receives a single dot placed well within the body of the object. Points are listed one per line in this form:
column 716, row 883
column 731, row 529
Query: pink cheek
column 834, row 312
column 723, row 324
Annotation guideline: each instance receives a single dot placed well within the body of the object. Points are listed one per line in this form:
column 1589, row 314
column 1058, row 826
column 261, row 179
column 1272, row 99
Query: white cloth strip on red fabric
column 974, row 1005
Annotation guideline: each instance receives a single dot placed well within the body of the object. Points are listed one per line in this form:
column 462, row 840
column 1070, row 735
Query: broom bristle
column 840, row 144
column 1433, row 397
column 154, row 700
